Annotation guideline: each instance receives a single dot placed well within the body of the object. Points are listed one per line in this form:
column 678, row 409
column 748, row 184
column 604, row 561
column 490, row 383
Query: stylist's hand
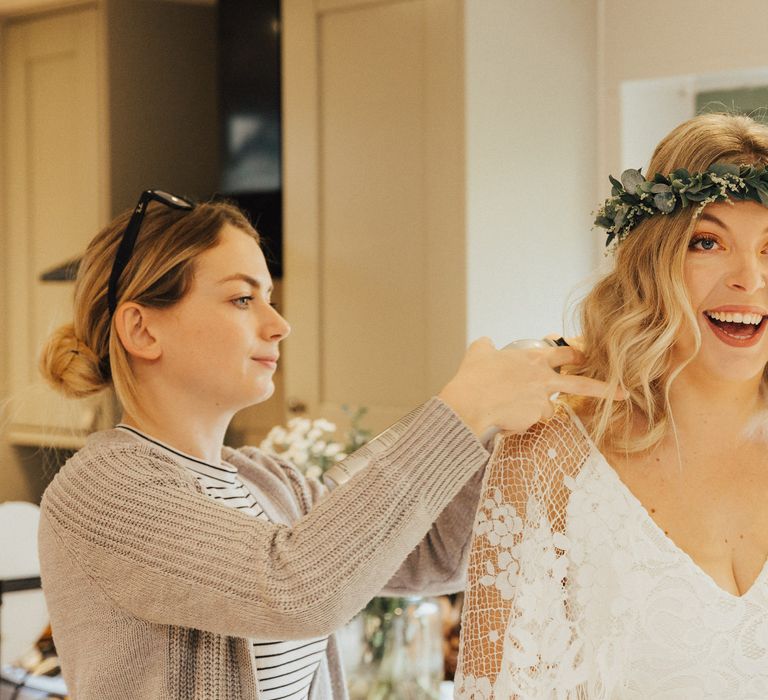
column 511, row 389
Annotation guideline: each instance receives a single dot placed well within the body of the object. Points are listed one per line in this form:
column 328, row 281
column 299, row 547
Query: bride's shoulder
column 539, row 461
column 563, row 430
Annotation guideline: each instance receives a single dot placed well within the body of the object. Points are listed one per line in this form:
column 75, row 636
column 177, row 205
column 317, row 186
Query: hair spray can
column 349, row 466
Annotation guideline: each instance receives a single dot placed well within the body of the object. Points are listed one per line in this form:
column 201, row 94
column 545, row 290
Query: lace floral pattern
column 575, row 592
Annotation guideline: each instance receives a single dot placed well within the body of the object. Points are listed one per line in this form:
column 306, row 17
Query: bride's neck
column 701, row 407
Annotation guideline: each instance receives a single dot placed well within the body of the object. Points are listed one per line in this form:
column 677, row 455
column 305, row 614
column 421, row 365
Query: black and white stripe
column 284, row 670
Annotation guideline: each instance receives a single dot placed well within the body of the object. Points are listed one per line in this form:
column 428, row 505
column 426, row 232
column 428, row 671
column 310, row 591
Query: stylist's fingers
column 548, row 410
column 586, row 386
column 512, row 388
column 557, row 357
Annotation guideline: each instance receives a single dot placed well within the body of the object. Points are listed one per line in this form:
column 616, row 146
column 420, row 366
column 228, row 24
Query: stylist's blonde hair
column 632, row 317
column 86, row 356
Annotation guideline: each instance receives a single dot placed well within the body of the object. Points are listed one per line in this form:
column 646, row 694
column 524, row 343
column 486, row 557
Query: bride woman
column 620, row 548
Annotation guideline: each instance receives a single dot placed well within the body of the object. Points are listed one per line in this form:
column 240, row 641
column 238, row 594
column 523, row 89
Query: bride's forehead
column 735, row 214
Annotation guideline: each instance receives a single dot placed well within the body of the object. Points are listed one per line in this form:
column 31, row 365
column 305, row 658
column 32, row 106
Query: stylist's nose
column 274, row 327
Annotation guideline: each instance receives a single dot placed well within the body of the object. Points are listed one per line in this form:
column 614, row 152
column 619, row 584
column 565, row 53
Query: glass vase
column 394, row 649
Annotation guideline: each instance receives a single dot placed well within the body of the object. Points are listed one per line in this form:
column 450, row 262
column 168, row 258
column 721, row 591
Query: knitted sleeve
column 519, row 628
column 166, row 553
column 438, row 563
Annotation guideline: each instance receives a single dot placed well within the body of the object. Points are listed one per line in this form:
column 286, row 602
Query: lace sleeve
column 518, row 632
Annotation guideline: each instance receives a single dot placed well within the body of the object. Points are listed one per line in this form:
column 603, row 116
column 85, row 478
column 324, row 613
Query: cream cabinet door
column 52, row 122
column 373, row 119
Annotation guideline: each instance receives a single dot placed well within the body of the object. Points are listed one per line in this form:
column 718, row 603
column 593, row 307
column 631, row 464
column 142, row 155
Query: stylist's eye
column 243, row 302
column 701, row 242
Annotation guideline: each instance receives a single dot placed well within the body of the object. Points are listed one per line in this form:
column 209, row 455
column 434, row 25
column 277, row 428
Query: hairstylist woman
column 175, row 567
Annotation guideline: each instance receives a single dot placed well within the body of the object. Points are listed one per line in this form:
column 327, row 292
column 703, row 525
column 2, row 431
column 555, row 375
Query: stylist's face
column 221, row 339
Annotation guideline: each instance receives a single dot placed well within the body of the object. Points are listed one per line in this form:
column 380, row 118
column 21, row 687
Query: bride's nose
column 748, row 273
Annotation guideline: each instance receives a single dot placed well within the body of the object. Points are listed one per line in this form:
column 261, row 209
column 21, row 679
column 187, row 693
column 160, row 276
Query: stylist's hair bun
column 87, row 355
column 70, row 366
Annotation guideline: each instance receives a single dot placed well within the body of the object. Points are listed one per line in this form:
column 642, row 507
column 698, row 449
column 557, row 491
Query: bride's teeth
column 735, row 317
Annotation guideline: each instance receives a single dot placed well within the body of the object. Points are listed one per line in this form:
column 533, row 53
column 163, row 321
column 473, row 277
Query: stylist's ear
column 134, row 329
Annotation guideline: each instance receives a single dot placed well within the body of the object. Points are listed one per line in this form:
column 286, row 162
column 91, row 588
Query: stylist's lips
column 269, row 361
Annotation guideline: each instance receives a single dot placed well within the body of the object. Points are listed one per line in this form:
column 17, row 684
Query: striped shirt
column 284, row 670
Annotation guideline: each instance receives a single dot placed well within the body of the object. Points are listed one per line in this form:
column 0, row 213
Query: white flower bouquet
column 311, row 445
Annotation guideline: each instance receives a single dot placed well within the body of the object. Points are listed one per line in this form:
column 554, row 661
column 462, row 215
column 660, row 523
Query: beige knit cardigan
column 154, row 588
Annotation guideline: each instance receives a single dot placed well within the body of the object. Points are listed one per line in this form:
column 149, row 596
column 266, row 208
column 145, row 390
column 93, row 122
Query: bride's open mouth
column 734, row 328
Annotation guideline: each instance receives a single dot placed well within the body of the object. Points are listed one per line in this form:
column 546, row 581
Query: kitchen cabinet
column 99, row 102
column 374, row 203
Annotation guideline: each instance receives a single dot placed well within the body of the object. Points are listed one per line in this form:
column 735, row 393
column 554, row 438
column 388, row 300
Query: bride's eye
column 700, row 242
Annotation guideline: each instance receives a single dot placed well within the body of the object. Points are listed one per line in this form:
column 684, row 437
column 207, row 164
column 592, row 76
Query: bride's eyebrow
column 245, row 278
column 711, row 217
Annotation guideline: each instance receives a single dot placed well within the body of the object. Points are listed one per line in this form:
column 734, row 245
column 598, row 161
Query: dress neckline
column 600, row 460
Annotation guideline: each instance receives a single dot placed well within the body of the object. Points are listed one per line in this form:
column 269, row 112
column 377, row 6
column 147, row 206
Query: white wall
column 690, row 39
column 544, row 91
column 531, row 110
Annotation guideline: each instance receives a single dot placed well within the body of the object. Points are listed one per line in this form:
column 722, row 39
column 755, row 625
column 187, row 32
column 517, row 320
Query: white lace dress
column 575, row 592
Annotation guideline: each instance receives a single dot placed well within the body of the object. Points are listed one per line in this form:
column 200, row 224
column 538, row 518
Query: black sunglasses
column 125, row 250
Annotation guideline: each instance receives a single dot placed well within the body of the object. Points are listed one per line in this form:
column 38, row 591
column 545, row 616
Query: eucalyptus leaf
column 665, row 202
column 621, row 215
column 603, row 222
column 631, row 179
column 724, row 169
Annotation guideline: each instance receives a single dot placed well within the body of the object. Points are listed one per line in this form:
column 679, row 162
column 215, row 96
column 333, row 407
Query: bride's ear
column 135, row 330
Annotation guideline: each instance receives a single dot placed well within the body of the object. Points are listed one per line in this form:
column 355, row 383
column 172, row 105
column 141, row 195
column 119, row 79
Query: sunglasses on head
column 131, row 233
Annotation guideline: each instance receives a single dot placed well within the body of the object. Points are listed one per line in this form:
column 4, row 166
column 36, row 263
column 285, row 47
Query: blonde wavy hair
column 633, row 316
column 86, row 356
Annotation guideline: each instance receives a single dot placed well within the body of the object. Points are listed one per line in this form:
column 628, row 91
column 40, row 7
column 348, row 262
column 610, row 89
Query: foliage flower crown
column 636, row 199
